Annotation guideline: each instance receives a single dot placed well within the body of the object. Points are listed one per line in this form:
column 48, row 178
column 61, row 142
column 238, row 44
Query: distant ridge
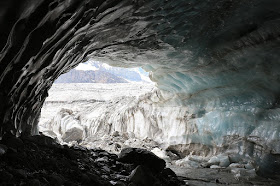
column 96, row 72
column 89, row 76
column 129, row 74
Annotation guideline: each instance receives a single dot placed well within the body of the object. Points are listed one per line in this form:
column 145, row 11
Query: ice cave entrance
column 83, row 103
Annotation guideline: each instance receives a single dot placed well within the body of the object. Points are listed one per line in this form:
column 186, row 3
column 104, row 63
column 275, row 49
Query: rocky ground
column 218, row 177
column 39, row 160
column 193, row 170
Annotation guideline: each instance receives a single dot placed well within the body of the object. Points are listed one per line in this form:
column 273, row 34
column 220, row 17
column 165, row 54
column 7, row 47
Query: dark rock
column 120, row 183
column 96, row 180
column 132, row 184
column 34, row 182
column 104, row 159
column 144, row 157
column 269, row 166
column 51, row 164
column 71, row 154
column 168, row 172
column 3, row 149
column 117, row 147
column 56, row 180
column 42, row 140
column 33, row 147
column 172, row 156
column 70, row 183
column 79, row 147
column 41, row 161
column 13, row 157
column 5, row 176
column 141, row 175
column 19, row 173
column 235, row 158
column 106, row 169
column 116, row 133
column 68, row 153
column 113, row 156
column 13, row 142
column 104, row 176
column 84, row 178
column 104, row 153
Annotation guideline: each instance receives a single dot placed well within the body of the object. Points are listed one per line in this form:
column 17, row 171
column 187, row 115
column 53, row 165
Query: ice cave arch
column 219, row 59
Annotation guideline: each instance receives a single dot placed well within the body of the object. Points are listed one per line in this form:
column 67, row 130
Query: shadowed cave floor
column 215, row 177
column 39, row 160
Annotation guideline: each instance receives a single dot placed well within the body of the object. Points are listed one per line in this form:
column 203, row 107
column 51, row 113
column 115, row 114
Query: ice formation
column 216, row 64
column 147, row 116
column 121, row 121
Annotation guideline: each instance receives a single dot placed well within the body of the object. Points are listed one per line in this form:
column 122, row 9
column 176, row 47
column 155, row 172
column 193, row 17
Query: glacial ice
column 150, row 115
column 116, row 122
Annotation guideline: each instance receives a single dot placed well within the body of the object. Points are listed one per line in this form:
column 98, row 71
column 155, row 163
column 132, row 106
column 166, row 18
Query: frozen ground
column 96, row 91
column 79, row 96
column 82, row 113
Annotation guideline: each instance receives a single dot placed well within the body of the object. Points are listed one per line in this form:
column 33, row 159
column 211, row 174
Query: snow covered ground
column 79, row 96
column 97, row 91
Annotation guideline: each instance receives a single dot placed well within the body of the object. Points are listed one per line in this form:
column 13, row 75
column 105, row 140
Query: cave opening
column 216, row 64
column 88, row 106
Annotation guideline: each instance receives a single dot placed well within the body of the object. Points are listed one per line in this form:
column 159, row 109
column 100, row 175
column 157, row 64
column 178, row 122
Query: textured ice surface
column 103, row 109
column 68, row 104
column 116, row 116
column 137, row 110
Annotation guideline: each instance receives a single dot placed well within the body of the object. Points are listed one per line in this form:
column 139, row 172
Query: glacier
column 147, row 117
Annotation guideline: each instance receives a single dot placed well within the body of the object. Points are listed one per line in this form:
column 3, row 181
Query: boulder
column 73, row 134
column 13, row 142
column 116, row 134
column 41, row 140
column 224, row 161
column 5, row 176
column 3, row 149
column 144, row 157
column 34, row 182
column 141, row 175
column 56, row 180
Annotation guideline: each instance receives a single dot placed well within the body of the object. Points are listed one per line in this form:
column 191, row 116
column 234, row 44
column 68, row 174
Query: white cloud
column 85, row 67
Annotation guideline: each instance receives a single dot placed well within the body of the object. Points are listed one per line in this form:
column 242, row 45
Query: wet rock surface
column 39, row 160
column 217, row 177
column 142, row 157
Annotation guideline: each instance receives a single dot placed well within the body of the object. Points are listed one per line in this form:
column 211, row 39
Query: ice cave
column 216, row 104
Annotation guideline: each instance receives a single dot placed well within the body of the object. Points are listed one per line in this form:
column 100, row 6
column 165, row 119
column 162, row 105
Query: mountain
column 89, row 76
column 129, row 74
column 96, row 72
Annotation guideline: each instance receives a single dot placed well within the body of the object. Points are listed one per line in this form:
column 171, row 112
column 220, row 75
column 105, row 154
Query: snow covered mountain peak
column 86, row 67
column 128, row 74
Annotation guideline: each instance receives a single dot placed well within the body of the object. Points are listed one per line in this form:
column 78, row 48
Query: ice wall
column 207, row 133
column 141, row 117
column 175, row 128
